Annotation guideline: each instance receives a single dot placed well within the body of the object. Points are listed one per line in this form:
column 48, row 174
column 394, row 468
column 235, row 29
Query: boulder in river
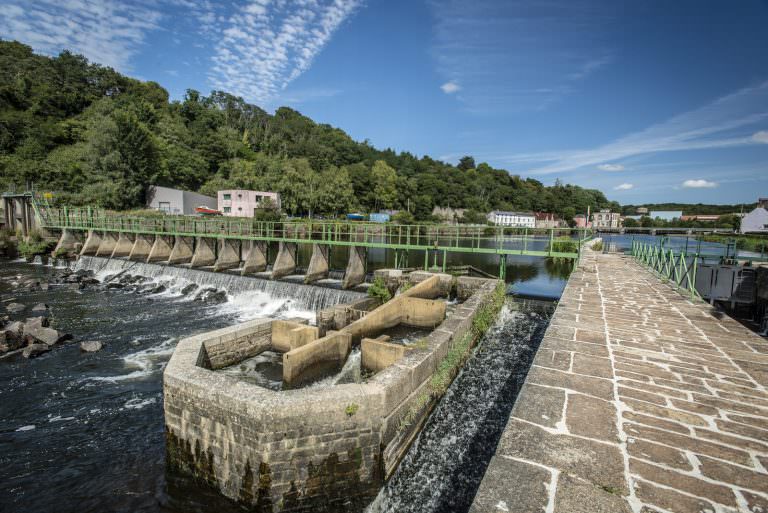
column 91, row 346
column 47, row 336
column 40, row 307
column 15, row 307
column 189, row 289
column 14, row 335
column 35, row 350
column 33, row 323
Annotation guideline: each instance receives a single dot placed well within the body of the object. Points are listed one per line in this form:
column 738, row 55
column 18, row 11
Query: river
column 84, row 432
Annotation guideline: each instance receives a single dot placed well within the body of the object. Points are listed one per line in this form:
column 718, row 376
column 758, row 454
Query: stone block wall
column 294, row 449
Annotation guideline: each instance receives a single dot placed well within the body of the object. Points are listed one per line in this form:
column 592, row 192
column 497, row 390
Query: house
column 175, row 201
column 581, row 221
column 242, row 203
column 606, row 219
column 517, row 219
column 757, row 220
column 547, row 220
column 666, row 215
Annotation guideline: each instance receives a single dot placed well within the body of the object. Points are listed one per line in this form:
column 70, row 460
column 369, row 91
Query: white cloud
column 108, row 32
column 699, row 184
column 267, row 45
column 450, row 87
column 610, row 167
column 761, row 136
column 624, row 187
column 708, row 127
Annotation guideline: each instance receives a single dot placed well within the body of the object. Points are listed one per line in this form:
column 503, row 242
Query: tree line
column 93, row 136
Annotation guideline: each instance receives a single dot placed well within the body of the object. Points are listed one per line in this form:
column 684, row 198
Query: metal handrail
column 669, row 265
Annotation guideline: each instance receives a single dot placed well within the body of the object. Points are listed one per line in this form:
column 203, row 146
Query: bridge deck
column 638, row 401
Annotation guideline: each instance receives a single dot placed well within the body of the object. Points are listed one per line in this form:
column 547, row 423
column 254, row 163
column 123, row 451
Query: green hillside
column 94, row 136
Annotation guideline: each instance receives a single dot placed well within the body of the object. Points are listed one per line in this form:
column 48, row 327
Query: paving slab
column 639, row 400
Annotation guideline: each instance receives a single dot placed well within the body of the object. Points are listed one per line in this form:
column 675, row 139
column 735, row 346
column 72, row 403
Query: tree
column 466, row 163
column 385, row 184
column 630, row 223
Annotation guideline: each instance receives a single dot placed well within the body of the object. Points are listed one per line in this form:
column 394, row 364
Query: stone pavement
column 638, row 401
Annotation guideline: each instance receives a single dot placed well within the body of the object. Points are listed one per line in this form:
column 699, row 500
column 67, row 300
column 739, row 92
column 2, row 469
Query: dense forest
column 689, row 209
column 93, row 136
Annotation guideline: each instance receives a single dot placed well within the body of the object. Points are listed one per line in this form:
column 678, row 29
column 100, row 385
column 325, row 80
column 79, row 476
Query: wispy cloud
column 761, row 136
column 450, row 87
column 699, row 184
column 610, row 167
column 108, row 32
column 519, row 54
column 267, row 45
column 624, row 187
column 726, row 122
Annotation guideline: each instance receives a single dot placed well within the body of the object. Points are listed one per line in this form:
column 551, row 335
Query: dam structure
column 328, row 445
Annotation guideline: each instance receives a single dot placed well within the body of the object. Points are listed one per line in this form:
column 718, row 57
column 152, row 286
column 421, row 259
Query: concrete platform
column 638, row 401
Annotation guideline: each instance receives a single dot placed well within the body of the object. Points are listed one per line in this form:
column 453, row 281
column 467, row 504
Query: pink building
column 241, row 203
column 581, row 221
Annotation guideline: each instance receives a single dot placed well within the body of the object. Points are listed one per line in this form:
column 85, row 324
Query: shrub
column 379, row 290
column 35, row 244
column 563, row 245
column 597, row 246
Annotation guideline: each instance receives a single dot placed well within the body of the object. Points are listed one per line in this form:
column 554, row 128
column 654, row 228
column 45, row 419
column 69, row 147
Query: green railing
column 678, row 267
column 437, row 239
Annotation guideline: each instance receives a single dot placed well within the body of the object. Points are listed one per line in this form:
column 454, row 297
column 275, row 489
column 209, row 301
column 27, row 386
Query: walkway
column 638, row 401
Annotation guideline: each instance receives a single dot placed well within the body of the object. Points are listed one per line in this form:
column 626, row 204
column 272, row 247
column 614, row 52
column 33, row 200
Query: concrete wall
column 175, row 201
column 295, row 450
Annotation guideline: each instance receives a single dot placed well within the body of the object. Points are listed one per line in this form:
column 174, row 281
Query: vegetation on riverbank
column 743, row 242
column 34, row 244
column 96, row 137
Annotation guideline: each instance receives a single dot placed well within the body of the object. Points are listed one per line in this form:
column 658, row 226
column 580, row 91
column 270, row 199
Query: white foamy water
column 144, row 363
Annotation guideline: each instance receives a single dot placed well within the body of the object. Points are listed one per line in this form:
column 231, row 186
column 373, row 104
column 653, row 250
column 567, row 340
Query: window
column 239, row 196
column 165, row 206
column 227, row 210
column 227, row 197
column 239, row 208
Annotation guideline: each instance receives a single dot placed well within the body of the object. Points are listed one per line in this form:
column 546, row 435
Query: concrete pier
column 123, row 246
column 255, row 258
column 140, row 250
column 204, row 254
column 638, row 400
column 229, row 255
column 318, row 264
column 355, row 272
column 107, row 246
column 67, row 242
column 92, row 243
column 182, row 251
column 161, row 249
column 285, row 263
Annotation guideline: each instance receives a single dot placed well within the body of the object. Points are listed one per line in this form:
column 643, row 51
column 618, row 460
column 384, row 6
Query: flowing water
column 84, row 432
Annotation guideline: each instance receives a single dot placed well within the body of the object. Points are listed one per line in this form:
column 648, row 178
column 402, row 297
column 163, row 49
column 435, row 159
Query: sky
column 649, row 101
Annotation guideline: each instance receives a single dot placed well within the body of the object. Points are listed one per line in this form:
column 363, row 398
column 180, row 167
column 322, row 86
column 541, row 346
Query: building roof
column 507, row 213
column 546, row 216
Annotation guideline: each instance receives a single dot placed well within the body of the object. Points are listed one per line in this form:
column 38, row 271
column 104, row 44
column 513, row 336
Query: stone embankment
column 639, row 400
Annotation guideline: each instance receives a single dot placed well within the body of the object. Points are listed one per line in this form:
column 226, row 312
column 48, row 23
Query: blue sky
column 649, row 101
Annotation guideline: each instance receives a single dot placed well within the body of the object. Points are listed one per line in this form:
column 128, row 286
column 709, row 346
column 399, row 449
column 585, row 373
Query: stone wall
column 292, row 449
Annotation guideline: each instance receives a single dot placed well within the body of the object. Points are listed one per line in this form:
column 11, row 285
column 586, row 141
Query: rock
column 33, row 323
column 115, row 285
column 189, row 288
column 14, row 335
column 40, row 307
column 44, row 286
column 158, row 289
column 35, row 350
column 47, row 336
column 91, row 346
column 15, row 307
column 135, row 342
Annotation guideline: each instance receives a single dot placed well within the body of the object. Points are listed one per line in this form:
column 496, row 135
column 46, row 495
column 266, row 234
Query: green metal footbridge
column 435, row 241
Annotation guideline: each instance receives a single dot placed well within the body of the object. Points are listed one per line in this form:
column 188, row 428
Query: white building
column 757, row 220
column 177, row 202
column 606, row 219
column 517, row 219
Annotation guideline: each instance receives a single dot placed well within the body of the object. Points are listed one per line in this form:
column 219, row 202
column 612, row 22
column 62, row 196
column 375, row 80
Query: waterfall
column 307, row 297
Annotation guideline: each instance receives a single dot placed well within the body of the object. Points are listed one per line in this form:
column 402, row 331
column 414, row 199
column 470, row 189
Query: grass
column 745, row 242
column 460, row 350
column 351, row 409
column 597, row 246
column 563, row 245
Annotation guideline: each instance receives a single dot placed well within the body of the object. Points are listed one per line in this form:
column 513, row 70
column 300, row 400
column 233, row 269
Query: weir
column 305, row 296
